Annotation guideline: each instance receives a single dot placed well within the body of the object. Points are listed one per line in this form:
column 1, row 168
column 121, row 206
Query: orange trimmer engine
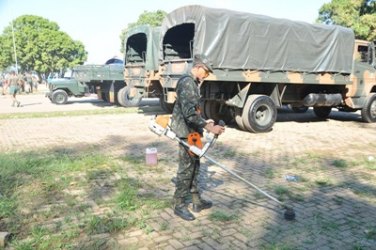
column 194, row 139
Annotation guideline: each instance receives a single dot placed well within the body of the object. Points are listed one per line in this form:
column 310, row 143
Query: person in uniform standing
column 186, row 119
column 13, row 88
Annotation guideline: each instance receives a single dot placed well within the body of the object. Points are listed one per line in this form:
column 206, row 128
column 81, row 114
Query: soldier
column 29, row 81
column 13, row 88
column 186, row 119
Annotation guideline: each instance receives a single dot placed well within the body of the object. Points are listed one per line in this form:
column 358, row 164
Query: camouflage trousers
column 187, row 175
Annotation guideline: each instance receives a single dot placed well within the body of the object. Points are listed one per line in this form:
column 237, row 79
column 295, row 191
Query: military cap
column 204, row 61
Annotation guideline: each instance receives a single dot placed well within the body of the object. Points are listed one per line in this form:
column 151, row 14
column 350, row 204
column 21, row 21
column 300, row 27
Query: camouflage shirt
column 13, row 80
column 186, row 116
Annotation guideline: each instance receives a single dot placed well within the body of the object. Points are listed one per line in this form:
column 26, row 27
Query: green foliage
column 151, row 18
column 40, row 46
column 360, row 15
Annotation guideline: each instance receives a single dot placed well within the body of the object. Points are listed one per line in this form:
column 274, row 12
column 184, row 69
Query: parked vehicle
column 141, row 71
column 105, row 80
column 261, row 63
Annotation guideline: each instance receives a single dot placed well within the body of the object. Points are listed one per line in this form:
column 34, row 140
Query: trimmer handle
column 222, row 124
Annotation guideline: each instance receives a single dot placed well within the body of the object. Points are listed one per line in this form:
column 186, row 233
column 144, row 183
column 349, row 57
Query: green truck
column 262, row 63
column 104, row 80
column 141, row 71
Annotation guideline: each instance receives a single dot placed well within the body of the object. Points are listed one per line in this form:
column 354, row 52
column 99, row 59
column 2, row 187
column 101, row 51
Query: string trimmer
column 160, row 126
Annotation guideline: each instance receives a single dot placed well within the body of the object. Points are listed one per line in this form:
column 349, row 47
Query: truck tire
column 368, row 112
column 213, row 110
column 59, row 97
column 130, row 101
column 322, row 112
column 238, row 118
column 120, row 97
column 259, row 113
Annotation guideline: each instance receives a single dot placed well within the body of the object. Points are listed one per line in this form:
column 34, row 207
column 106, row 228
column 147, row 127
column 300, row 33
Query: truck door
column 364, row 73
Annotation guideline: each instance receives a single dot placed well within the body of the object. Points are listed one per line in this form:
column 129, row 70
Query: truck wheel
column 259, row 113
column 369, row 109
column 120, row 97
column 59, row 97
column 128, row 100
column 322, row 112
column 214, row 110
column 238, row 118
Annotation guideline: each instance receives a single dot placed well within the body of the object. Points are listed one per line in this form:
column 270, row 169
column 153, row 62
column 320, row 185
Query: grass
column 370, row 233
column 269, row 173
column 223, row 216
column 278, row 246
column 340, row 163
column 44, row 198
column 369, row 163
column 323, row 182
column 282, row 192
column 106, row 224
column 107, row 111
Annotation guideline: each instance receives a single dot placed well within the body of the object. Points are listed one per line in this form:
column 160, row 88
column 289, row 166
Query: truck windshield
column 68, row 74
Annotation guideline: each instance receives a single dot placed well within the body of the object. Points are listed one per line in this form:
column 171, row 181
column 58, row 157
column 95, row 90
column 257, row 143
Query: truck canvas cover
column 136, row 46
column 237, row 40
column 87, row 73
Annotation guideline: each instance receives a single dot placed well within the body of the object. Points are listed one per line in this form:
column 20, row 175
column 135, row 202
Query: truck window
column 136, row 48
column 363, row 53
column 178, row 42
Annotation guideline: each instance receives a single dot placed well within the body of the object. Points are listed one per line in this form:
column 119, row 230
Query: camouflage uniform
column 186, row 118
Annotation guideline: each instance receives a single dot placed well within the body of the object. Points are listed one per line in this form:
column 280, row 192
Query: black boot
column 182, row 211
column 199, row 203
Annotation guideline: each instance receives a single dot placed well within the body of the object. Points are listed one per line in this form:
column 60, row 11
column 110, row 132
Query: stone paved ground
column 335, row 206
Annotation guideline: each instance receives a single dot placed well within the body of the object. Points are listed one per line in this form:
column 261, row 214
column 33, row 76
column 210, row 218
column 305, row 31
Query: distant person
column 14, row 88
column 35, row 81
column 6, row 84
column 21, row 83
column 2, row 83
column 29, row 81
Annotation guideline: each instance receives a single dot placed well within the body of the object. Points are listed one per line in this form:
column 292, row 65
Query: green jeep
column 61, row 88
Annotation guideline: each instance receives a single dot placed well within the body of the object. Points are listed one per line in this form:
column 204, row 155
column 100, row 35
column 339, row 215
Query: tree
column 40, row 46
column 151, row 18
column 360, row 15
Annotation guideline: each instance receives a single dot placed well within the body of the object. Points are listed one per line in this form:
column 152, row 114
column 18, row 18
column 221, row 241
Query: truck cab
column 363, row 77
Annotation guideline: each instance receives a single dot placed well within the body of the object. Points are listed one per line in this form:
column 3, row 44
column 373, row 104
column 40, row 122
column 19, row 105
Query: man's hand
column 215, row 129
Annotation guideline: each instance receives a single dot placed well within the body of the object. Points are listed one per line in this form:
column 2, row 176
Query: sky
column 98, row 23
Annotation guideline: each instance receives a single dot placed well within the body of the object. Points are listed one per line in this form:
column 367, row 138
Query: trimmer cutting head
column 289, row 213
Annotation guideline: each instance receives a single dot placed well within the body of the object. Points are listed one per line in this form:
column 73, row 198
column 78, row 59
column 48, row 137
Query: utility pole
column 14, row 48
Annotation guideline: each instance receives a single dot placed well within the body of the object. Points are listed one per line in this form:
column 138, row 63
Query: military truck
column 105, row 80
column 141, row 67
column 261, row 63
